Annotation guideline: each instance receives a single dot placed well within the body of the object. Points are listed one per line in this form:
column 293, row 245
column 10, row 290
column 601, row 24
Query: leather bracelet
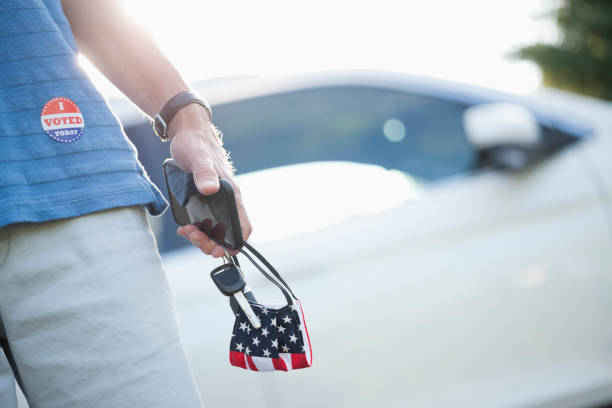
column 176, row 103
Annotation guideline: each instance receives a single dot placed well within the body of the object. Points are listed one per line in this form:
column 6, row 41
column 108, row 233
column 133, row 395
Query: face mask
column 264, row 338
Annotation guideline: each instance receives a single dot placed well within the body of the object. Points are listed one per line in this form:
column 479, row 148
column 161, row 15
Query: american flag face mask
column 265, row 338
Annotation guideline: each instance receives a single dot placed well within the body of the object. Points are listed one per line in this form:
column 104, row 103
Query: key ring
column 227, row 257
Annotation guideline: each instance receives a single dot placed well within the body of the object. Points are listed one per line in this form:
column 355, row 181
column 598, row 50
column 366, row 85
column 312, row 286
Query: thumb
column 205, row 177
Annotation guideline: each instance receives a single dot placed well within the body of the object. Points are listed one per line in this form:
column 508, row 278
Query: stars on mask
column 279, row 333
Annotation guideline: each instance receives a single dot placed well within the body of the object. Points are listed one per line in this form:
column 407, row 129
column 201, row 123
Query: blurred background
column 433, row 179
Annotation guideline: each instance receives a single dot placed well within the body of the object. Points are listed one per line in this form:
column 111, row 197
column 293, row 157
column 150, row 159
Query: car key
column 229, row 280
column 248, row 293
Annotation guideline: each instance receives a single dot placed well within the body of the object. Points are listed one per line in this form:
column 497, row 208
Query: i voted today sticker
column 62, row 120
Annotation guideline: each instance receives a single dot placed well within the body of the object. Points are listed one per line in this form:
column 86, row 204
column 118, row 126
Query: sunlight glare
column 464, row 41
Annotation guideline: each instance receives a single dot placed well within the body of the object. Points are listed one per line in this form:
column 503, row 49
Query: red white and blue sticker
column 62, row 120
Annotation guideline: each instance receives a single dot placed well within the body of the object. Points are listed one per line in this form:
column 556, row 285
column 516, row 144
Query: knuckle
column 202, row 163
column 204, row 171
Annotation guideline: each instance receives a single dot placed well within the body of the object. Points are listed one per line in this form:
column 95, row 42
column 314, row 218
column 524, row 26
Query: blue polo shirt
column 64, row 153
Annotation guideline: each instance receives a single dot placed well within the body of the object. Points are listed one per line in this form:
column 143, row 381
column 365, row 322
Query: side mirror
column 506, row 136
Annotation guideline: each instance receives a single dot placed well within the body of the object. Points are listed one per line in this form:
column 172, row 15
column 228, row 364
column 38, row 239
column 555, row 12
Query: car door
column 491, row 289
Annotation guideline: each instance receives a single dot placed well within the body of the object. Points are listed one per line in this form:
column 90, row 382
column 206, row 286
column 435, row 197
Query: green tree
column 582, row 60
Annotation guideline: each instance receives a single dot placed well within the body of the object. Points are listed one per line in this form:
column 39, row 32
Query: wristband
column 176, row 103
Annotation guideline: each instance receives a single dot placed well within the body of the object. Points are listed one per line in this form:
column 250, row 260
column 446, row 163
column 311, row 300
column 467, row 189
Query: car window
column 418, row 135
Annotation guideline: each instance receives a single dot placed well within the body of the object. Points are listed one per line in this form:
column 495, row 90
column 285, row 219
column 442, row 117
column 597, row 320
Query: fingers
column 204, row 176
column 218, row 252
column 201, row 240
column 198, row 239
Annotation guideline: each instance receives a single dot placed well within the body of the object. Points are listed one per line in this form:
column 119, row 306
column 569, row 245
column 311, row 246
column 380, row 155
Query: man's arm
column 126, row 54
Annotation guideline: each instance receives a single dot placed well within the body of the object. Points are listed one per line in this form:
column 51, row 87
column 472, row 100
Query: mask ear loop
column 274, row 277
column 285, row 290
column 267, row 264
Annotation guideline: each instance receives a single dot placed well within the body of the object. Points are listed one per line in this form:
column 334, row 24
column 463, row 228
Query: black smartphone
column 216, row 215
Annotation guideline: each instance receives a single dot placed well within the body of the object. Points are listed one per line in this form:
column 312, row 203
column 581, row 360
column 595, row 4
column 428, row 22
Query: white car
column 451, row 245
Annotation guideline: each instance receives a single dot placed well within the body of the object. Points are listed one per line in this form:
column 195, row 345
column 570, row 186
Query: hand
column 197, row 149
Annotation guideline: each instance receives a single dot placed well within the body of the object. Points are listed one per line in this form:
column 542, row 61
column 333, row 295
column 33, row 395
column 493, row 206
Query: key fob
column 228, row 279
column 216, row 214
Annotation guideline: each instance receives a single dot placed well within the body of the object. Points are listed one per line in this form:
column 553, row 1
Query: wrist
column 192, row 118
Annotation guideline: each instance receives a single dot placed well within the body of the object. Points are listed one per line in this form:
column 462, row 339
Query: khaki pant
column 87, row 317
